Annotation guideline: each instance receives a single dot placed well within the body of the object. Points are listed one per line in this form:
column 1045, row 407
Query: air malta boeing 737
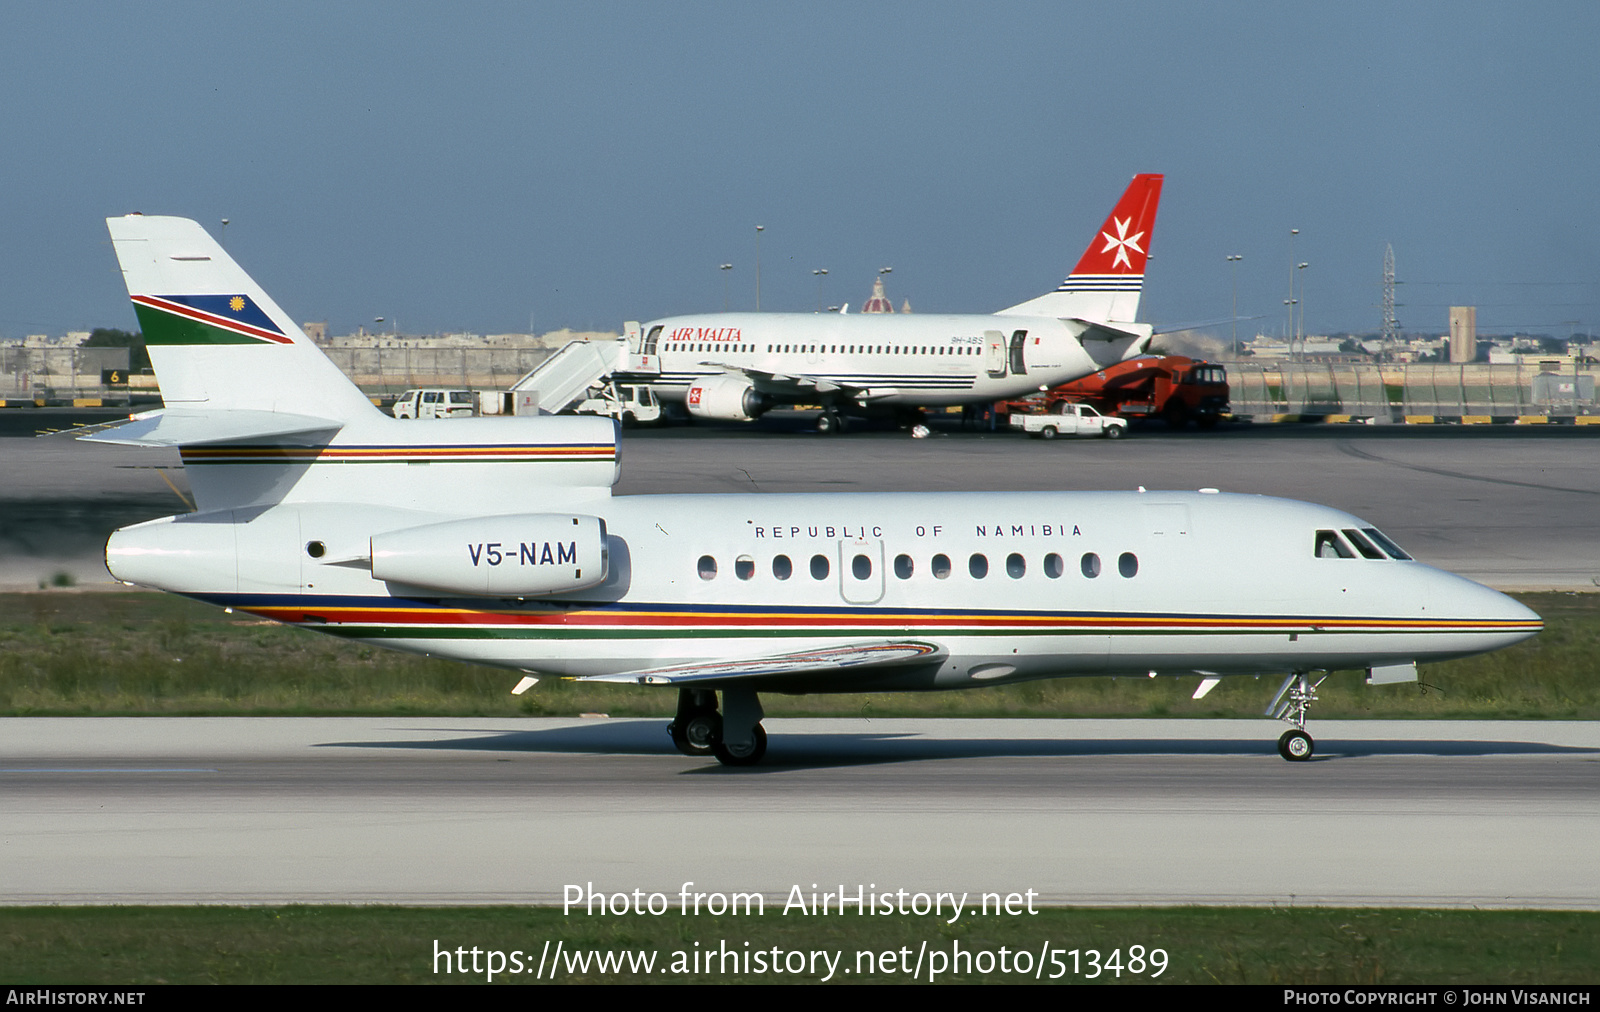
column 497, row 540
column 737, row 366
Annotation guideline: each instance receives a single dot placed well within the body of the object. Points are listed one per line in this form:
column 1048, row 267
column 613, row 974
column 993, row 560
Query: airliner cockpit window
column 1384, row 543
column 1331, row 546
column 1363, row 546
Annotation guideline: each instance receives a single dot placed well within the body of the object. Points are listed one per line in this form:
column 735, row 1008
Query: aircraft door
column 861, row 576
column 1019, row 357
column 994, row 353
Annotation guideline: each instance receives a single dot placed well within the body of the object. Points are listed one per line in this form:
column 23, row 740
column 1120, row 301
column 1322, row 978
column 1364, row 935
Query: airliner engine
column 728, row 397
column 507, row 556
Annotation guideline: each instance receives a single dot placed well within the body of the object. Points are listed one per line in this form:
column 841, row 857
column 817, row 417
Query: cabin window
column 978, row 565
column 782, row 568
column 941, row 567
column 1053, row 566
column 1330, row 546
column 902, row 567
column 819, row 567
column 861, row 567
column 1090, row 564
column 708, row 568
column 1387, row 545
column 1015, row 566
column 744, row 567
column 1363, row 546
column 1128, row 565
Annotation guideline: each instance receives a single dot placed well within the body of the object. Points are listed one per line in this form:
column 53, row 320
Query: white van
column 435, row 402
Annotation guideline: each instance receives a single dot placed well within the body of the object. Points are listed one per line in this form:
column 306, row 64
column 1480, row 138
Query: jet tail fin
column 1106, row 283
column 219, row 344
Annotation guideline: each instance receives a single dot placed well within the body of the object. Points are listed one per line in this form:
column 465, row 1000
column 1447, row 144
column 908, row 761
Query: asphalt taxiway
column 434, row 811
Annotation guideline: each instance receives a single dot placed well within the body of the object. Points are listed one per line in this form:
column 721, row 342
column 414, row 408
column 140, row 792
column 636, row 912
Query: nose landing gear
column 1294, row 698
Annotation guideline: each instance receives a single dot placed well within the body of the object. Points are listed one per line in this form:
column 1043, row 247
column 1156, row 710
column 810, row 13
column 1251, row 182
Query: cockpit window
column 1393, row 549
column 1331, row 546
column 1363, row 546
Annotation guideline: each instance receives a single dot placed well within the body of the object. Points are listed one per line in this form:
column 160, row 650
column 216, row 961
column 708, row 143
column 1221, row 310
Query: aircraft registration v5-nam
column 737, row 366
column 497, row 540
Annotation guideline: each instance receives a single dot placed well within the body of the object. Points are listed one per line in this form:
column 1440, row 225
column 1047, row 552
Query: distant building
column 879, row 303
column 1463, row 334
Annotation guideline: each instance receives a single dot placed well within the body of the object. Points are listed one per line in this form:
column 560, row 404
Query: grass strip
column 389, row 945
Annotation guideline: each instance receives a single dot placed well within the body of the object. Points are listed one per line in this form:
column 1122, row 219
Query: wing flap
column 825, row 660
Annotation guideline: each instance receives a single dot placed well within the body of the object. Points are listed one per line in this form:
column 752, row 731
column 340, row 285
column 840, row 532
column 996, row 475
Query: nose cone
column 1496, row 619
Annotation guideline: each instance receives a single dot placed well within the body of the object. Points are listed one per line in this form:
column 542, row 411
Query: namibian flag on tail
column 216, row 340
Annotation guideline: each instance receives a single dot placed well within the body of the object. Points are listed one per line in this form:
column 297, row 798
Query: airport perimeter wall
column 68, row 375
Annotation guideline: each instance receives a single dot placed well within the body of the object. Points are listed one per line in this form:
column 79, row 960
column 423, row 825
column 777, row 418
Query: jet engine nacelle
column 508, row 556
column 728, row 397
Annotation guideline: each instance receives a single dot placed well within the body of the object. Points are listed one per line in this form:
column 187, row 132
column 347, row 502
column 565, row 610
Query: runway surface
column 507, row 811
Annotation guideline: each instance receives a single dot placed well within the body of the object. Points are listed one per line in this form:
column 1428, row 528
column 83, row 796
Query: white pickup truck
column 1071, row 420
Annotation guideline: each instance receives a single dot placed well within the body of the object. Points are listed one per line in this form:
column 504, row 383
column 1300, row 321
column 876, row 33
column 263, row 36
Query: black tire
column 1296, row 746
column 1048, row 432
column 680, row 741
column 1116, row 431
column 747, row 756
column 827, row 424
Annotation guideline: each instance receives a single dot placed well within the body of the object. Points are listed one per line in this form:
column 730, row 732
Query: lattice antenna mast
column 1391, row 328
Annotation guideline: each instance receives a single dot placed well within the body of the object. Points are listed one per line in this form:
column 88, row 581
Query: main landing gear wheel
column 830, row 423
column 697, row 726
column 747, row 754
column 1296, row 746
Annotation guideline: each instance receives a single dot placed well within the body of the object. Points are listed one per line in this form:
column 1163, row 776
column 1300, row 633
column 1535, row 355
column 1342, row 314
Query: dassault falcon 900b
column 737, row 366
column 315, row 509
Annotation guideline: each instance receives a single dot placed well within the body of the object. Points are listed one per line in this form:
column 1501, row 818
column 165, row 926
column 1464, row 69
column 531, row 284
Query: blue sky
column 474, row 166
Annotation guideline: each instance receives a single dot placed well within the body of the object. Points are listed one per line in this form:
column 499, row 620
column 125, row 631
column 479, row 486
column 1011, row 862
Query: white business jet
column 737, row 366
column 498, row 541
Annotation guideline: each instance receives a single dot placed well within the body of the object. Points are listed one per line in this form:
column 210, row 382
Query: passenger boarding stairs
column 563, row 378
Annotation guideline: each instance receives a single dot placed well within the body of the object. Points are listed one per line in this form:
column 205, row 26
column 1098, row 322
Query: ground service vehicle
column 1174, row 388
column 435, row 402
column 1070, row 420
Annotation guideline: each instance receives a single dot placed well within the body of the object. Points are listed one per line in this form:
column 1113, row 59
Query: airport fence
column 1394, row 392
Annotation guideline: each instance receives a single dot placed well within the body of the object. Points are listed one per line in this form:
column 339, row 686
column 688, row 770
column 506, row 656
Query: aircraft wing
column 791, row 386
column 190, row 426
column 825, row 660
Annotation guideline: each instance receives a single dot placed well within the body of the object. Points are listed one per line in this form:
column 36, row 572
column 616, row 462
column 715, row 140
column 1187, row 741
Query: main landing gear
column 735, row 736
column 1294, row 698
column 830, row 422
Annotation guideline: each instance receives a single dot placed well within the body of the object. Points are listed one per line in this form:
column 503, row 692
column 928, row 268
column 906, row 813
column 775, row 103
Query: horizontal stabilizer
column 190, row 427
column 805, row 662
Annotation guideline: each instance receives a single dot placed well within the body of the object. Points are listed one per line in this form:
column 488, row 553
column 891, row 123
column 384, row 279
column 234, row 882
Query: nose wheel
column 1296, row 746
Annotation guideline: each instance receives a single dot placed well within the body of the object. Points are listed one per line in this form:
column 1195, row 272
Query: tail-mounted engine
column 508, row 556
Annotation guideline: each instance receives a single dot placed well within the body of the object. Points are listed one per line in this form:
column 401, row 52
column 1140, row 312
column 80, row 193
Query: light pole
column 1301, row 330
column 725, row 268
column 1289, row 325
column 819, row 274
column 1234, row 258
column 759, row 230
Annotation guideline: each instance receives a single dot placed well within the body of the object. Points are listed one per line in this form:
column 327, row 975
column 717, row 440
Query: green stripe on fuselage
column 161, row 327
